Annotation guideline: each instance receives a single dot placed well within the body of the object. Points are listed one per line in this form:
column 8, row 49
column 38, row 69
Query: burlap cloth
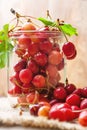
column 11, row 117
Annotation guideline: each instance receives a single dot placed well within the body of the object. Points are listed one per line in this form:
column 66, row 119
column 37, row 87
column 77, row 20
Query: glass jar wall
column 36, row 66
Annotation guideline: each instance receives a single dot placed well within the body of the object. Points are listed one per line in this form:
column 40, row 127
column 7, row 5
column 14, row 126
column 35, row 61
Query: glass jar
column 36, row 66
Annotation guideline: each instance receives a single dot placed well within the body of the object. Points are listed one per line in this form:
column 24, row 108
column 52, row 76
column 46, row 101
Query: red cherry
column 83, row 118
column 61, row 111
column 32, row 65
column 78, row 91
column 15, row 79
column 54, row 101
column 69, row 115
column 40, row 58
column 60, row 93
column 33, row 109
column 83, row 103
column 45, row 46
column 24, row 41
column 72, row 56
column 55, row 57
column 19, row 51
column 39, row 81
column 73, row 99
column 14, row 91
column 56, row 113
column 60, row 66
column 75, row 110
column 70, row 88
column 20, row 65
column 68, row 49
column 33, row 48
column 84, row 92
column 25, row 75
column 32, row 97
column 26, row 88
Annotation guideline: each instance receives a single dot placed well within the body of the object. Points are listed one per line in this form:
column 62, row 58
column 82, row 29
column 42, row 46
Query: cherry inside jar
column 36, row 65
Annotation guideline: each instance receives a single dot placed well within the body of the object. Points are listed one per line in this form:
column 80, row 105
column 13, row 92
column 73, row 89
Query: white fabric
column 71, row 11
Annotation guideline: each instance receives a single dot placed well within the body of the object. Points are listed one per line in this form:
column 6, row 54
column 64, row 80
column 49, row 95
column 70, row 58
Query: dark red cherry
column 68, row 49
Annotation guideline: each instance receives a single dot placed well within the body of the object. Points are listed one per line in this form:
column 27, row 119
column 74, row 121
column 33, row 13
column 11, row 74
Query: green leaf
column 47, row 22
column 3, row 59
column 5, row 45
column 6, row 28
column 68, row 29
column 2, row 47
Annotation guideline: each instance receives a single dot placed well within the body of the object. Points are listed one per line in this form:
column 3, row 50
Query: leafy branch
column 67, row 29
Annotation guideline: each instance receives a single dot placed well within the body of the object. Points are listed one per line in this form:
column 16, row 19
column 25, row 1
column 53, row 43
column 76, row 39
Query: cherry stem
column 48, row 14
column 66, row 81
column 59, row 26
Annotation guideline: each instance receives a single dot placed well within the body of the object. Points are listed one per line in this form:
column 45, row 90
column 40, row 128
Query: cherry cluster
column 36, row 78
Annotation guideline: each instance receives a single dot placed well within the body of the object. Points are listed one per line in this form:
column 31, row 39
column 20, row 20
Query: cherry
column 51, row 70
column 39, row 81
column 40, row 58
column 63, row 105
column 78, row 91
column 56, row 47
column 56, row 113
column 52, row 74
column 15, row 79
column 83, row 118
column 43, row 111
column 70, row 88
column 67, row 113
column 68, row 49
column 20, row 65
column 33, row 48
column 60, row 93
column 55, row 57
column 32, row 97
column 45, row 47
column 25, row 75
column 43, row 98
column 43, row 34
column 33, row 109
column 24, row 41
column 32, row 65
column 19, row 51
column 34, row 37
column 75, row 110
column 60, row 66
column 26, row 88
column 84, row 92
column 54, row 101
column 28, row 26
column 83, row 103
column 72, row 56
column 73, row 99
column 61, row 111
column 26, row 56
column 14, row 91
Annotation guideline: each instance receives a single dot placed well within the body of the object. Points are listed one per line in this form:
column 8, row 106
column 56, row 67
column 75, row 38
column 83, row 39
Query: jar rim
column 18, row 33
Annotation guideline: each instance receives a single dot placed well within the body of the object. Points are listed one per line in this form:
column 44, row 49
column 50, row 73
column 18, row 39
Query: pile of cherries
column 36, row 78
